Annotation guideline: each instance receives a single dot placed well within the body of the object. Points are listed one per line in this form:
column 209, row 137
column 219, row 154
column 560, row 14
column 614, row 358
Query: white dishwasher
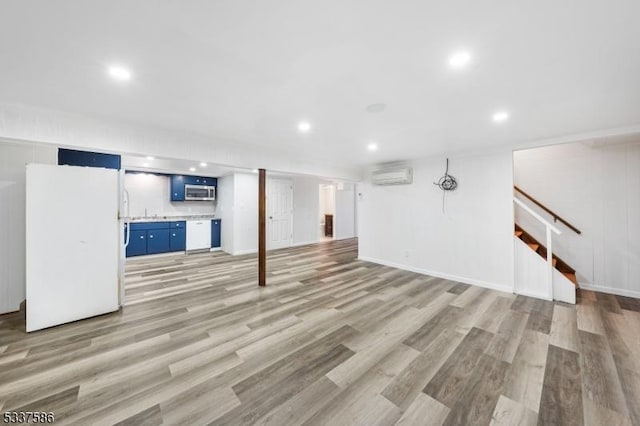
column 198, row 234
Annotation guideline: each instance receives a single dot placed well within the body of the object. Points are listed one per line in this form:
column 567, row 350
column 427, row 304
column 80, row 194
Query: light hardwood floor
column 331, row 340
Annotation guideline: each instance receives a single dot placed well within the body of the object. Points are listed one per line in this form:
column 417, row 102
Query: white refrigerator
column 74, row 243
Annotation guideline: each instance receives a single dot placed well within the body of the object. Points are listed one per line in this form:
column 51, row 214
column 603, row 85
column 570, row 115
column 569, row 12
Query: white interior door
column 279, row 213
column 72, row 243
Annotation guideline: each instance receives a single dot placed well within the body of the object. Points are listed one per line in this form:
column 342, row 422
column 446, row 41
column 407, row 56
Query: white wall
column 245, row 213
column 306, row 198
column 327, row 199
column 152, row 192
column 404, row 225
column 595, row 186
column 344, row 225
column 224, row 210
column 13, row 158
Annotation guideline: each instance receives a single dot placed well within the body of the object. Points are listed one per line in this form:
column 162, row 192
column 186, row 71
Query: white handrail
column 548, row 228
column 537, row 216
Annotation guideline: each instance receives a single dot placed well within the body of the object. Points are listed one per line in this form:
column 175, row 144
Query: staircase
column 558, row 263
column 546, row 276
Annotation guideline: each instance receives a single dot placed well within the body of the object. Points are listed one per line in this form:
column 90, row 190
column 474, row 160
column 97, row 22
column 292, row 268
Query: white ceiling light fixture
column 119, row 73
column 145, row 164
column 376, row 108
column 459, row 60
column 203, row 164
column 500, row 116
column 304, row 126
column 192, row 169
column 372, row 146
column 150, row 158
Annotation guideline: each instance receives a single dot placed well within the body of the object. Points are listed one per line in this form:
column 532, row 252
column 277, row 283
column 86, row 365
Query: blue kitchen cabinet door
column 192, row 180
column 215, row 233
column 158, row 241
column 178, row 239
column 72, row 157
column 209, row 181
column 177, row 187
column 137, row 243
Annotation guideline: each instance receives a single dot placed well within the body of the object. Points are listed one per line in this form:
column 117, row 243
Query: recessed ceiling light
column 192, row 169
column 150, row 158
column 500, row 116
column 255, row 170
column 304, row 126
column 376, row 108
column 145, row 164
column 459, row 60
column 119, row 73
column 372, row 146
column 203, row 164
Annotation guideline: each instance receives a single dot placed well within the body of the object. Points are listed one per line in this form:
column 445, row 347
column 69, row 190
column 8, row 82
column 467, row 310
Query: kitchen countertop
column 135, row 219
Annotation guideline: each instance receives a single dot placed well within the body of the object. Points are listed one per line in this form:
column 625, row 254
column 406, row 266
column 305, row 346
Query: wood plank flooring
column 330, row 340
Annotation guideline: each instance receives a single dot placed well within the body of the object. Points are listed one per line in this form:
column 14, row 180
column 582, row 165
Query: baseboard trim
column 241, row 252
column 156, row 255
column 437, row 274
column 534, row 295
column 609, row 290
column 305, row 243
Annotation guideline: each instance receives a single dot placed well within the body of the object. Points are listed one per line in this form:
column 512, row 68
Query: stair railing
column 548, row 210
column 548, row 228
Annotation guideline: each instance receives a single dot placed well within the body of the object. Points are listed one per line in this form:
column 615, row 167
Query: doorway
column 279, row 213
column 327, row 212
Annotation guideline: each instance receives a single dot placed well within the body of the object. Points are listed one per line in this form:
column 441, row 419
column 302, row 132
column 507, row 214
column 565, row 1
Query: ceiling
column 249, row 71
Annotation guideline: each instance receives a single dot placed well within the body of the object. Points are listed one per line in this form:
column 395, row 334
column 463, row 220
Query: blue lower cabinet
column 215, row 233
column 137, row 243
column 156, row 237
column 178, row 239
column 158, row 241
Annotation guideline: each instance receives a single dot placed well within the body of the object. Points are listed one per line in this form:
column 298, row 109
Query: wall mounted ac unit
column 392, row 176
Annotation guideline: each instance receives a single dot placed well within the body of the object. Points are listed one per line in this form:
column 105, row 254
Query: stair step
column 554, row 261
column 534, row 247
column 518, row 234
column 571, row 277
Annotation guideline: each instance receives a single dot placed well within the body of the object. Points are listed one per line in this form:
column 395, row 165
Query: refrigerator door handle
column 127, row 226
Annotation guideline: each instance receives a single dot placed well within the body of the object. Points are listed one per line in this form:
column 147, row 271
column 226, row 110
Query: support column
column 262, row 227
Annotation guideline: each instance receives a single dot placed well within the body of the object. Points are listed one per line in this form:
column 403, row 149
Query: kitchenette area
column 170, row 213
column 118, row 215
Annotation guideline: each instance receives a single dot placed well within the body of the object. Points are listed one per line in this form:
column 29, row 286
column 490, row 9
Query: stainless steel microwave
column 199, row 193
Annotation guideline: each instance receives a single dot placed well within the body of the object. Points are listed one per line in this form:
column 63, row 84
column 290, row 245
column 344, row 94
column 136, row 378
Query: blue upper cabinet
column 177, row 187
column 71, row 157
column 179, row 181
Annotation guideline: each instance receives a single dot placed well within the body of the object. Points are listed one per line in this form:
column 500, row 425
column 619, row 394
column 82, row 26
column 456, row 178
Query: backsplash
column 151, row 192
